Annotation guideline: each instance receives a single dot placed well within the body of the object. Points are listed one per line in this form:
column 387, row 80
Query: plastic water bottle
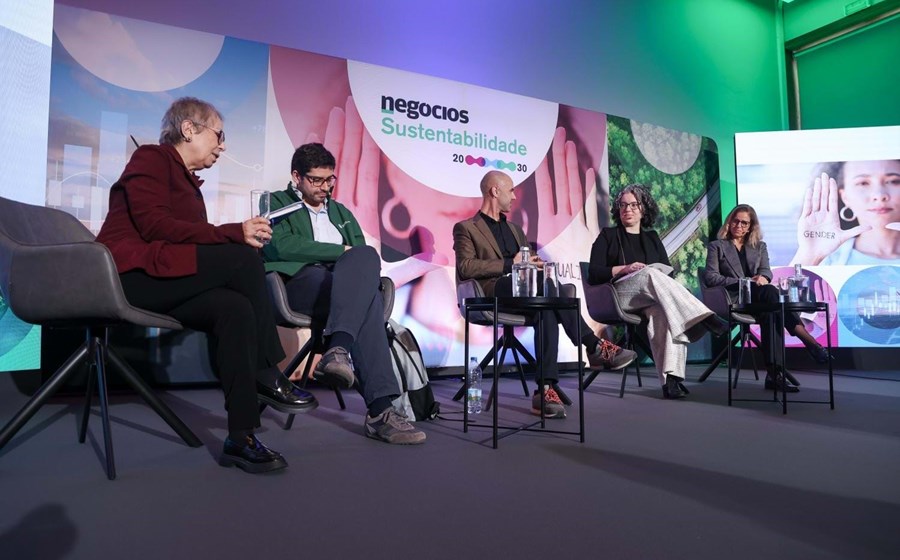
column 473, row 399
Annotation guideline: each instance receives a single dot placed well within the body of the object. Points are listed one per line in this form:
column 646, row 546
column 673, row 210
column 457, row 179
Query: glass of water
column 260, row 206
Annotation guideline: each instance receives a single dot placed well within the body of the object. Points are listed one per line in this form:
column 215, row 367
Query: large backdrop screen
column 411, row 150
column 830, row 200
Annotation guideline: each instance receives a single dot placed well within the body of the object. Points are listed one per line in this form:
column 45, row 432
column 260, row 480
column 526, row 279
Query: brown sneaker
column 553, row 406
column 335, row 369
column 392, row 426
column 610, row 356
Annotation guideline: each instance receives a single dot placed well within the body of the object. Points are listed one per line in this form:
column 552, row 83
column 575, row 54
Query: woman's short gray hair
column 185, row 109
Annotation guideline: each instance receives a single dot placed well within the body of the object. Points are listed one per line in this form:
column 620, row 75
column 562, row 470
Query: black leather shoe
column 251, row 456
column 673, row 389
column 819, row 353
column 715, row 325
column 285, row 396
column 775, row 384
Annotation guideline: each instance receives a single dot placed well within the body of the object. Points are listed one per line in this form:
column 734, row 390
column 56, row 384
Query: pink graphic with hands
column 819, row 230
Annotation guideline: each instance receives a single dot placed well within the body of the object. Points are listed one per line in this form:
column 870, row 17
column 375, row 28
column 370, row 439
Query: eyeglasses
column 740, row 223
column 220, row 134
column 634, row 206
column 319, row 181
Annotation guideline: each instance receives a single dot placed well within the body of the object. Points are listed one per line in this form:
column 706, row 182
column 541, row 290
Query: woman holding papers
column 632, row 257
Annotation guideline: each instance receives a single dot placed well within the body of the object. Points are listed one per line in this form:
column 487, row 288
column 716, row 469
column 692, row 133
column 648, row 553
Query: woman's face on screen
column 872, row 191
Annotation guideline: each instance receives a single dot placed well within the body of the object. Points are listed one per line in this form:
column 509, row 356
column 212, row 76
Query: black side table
column 521, row 306
column 777, row 310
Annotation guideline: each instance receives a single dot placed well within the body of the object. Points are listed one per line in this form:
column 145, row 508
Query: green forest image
column 688, row 198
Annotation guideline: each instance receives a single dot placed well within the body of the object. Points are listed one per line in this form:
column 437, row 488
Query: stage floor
column 654, row 479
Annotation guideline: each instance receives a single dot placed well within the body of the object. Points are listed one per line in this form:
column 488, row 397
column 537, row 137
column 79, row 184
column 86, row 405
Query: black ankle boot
column 673, row 389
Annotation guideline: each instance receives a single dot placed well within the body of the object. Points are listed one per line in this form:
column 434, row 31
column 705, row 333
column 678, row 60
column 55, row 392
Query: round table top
column 512, row 304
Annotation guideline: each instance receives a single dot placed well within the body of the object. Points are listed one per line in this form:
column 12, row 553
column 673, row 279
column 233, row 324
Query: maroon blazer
column 157, row 217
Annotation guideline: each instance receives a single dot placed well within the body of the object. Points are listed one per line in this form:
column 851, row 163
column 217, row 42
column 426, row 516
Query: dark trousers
column 547, row 352
column 346, row 297
column 769, row 294
column 226, row 299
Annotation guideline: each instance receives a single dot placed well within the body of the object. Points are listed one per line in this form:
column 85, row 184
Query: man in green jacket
column 332, row 275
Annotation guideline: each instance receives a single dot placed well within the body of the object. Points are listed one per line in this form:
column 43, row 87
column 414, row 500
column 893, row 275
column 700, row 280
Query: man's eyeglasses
column 220, row 134
column 319, row 181
column 634, row 206
column 740, row 223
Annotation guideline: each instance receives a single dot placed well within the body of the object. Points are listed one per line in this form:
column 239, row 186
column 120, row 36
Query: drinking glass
column 260, row 205
column 551, row 280
column 744, row 293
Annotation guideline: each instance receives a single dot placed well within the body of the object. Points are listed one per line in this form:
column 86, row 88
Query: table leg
column 496, row 377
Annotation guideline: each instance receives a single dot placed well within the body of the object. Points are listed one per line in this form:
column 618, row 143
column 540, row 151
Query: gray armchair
column 718, row 300
column 603, row 307
column 507, row 341
column 52, row 273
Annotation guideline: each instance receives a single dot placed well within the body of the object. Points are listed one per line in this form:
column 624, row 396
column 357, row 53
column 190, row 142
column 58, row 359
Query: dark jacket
column 477, row 254
column 723, row 266
column 293, row 245
column 608, row 251
column 157, row 217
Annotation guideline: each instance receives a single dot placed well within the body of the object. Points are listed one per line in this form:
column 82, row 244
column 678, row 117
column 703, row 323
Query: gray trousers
column 347, row 297
column 672, row 314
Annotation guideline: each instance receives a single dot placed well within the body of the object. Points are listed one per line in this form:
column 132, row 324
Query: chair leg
column 590, row 379
column 98, row 347
column 340, row 398
column 46, row 391
column 86, row 409
column 562, row 394
column 714, row 364
column 521, row 371
column 483, row 365
column 500, row 360
column 305, row 351
column 152, row 400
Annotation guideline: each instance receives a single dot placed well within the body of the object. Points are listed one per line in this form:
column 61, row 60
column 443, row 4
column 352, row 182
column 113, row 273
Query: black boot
column 673, row 389
column 776, row 381
column 715, row 325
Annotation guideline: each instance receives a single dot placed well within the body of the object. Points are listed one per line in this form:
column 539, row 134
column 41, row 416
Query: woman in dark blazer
column 633, row 258
column 739, row 252
column 172, row 260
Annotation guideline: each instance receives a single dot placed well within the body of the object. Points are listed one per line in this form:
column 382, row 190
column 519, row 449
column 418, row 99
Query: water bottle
column 473, row 399
column 794, row 284
column 524, row 275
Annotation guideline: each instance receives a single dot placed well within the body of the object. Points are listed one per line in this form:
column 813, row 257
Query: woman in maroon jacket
column 172, row 260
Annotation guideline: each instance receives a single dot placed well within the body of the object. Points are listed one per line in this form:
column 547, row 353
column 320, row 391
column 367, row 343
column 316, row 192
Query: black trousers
column 346, row 297
column 547, row 354
column 226, row 299
column 769, row 294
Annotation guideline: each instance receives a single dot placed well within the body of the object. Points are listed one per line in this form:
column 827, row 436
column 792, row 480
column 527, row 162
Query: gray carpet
column 654, row 479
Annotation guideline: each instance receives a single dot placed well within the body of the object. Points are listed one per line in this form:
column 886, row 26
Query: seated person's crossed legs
column 346, row 297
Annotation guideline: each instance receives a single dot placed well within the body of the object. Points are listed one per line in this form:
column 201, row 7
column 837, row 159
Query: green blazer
column 293, row 246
